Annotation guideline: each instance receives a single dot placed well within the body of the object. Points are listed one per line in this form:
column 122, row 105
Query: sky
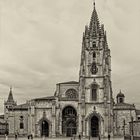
column 40, row 45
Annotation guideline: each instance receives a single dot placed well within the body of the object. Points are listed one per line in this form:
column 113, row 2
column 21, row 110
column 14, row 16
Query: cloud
column 40, row 44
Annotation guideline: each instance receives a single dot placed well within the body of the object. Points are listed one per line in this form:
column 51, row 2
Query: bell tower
column 10, row 103
column 95, row 89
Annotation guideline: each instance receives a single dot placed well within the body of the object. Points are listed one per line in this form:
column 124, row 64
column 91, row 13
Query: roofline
column 70, row 82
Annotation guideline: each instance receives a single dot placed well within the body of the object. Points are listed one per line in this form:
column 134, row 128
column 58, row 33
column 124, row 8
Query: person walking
column 99, row 137
column 31, row 137
column 16, row 136
column 79, row 137
column 108, row 136
column 89, row 138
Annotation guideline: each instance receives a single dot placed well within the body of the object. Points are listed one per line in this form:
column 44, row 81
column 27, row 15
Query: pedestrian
column 31, row 137
column 108, row 136
column 99, row 137
column 79, row 137
column 89, row 137
column 28, row 137
column 15, row 136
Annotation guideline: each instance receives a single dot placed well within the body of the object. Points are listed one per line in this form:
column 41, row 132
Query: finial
column 94, row 3
column 10, row 88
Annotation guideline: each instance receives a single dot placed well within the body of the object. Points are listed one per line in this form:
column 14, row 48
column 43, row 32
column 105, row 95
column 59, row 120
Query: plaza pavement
column 2, row 138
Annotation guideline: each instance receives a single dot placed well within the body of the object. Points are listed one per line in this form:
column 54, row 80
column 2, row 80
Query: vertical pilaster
column 53, row 119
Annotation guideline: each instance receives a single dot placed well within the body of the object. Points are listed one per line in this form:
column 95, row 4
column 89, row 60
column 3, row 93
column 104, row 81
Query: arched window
column 94, row 55
column 71, row 94
column 121, row 100
column 94, row 44
column 94, row 92
column 21, row 125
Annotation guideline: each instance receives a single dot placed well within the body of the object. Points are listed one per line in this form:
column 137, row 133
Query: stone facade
column 83, row 108
column 135, row 128
column 123, row 113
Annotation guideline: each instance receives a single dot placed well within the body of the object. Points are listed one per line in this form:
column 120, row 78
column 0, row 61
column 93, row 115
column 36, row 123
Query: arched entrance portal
column 45, row 128
column 69, row 119
column 94, row 126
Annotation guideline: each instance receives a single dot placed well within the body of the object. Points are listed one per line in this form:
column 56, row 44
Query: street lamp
column 124, row 127
column 6, row 126
column 132, row 127
column 82, row 127
column 132, row 120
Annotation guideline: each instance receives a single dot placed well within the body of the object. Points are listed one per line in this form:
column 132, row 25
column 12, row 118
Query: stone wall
column 119, row 117
column 14, row 122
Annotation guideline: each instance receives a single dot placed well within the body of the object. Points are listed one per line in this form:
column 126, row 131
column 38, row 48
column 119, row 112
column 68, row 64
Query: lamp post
column 124, row 127
column 132, row 128
column 82, row 126
column 6, row 126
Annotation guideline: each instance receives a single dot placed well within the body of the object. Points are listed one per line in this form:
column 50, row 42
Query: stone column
column 84, row 127
column 60, row 123
column 29, row 119
column 53, row 127
column 53, row 119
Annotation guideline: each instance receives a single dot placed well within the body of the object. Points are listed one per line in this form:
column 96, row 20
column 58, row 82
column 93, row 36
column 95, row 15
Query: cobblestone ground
column 60, row 139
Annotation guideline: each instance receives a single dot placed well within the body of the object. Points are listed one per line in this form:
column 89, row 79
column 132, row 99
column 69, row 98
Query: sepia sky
column 40, row 45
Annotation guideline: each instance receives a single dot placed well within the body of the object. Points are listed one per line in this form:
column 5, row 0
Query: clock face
column 94, row 68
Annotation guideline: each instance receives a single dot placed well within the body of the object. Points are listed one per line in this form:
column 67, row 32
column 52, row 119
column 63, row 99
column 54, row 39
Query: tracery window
column 71, row 94
column 94, row 68
column 94, row 55
column 94, row 45
column 94, row 92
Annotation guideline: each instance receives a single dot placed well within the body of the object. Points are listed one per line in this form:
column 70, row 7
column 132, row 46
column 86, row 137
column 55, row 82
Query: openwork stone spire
column 94, row 25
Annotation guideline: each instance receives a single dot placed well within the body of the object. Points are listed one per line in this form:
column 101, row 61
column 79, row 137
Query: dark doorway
column 94, row 126
column 69, row 119
column 45, row 129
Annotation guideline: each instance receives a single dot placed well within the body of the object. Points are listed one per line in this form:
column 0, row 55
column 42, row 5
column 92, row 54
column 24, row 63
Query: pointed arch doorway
column 94, row 126
column 45, row 128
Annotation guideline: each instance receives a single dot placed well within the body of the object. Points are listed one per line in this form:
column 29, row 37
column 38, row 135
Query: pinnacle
column 10, row 97
column 94, row 25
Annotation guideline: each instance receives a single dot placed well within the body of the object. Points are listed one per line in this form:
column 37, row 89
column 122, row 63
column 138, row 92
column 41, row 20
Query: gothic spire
column 94, row 25
column 10, row 97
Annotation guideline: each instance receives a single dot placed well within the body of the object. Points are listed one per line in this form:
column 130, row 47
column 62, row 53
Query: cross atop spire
column 94, row 25
column 94, row 3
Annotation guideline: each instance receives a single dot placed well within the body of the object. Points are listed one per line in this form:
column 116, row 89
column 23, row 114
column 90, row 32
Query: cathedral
column 85, row 107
